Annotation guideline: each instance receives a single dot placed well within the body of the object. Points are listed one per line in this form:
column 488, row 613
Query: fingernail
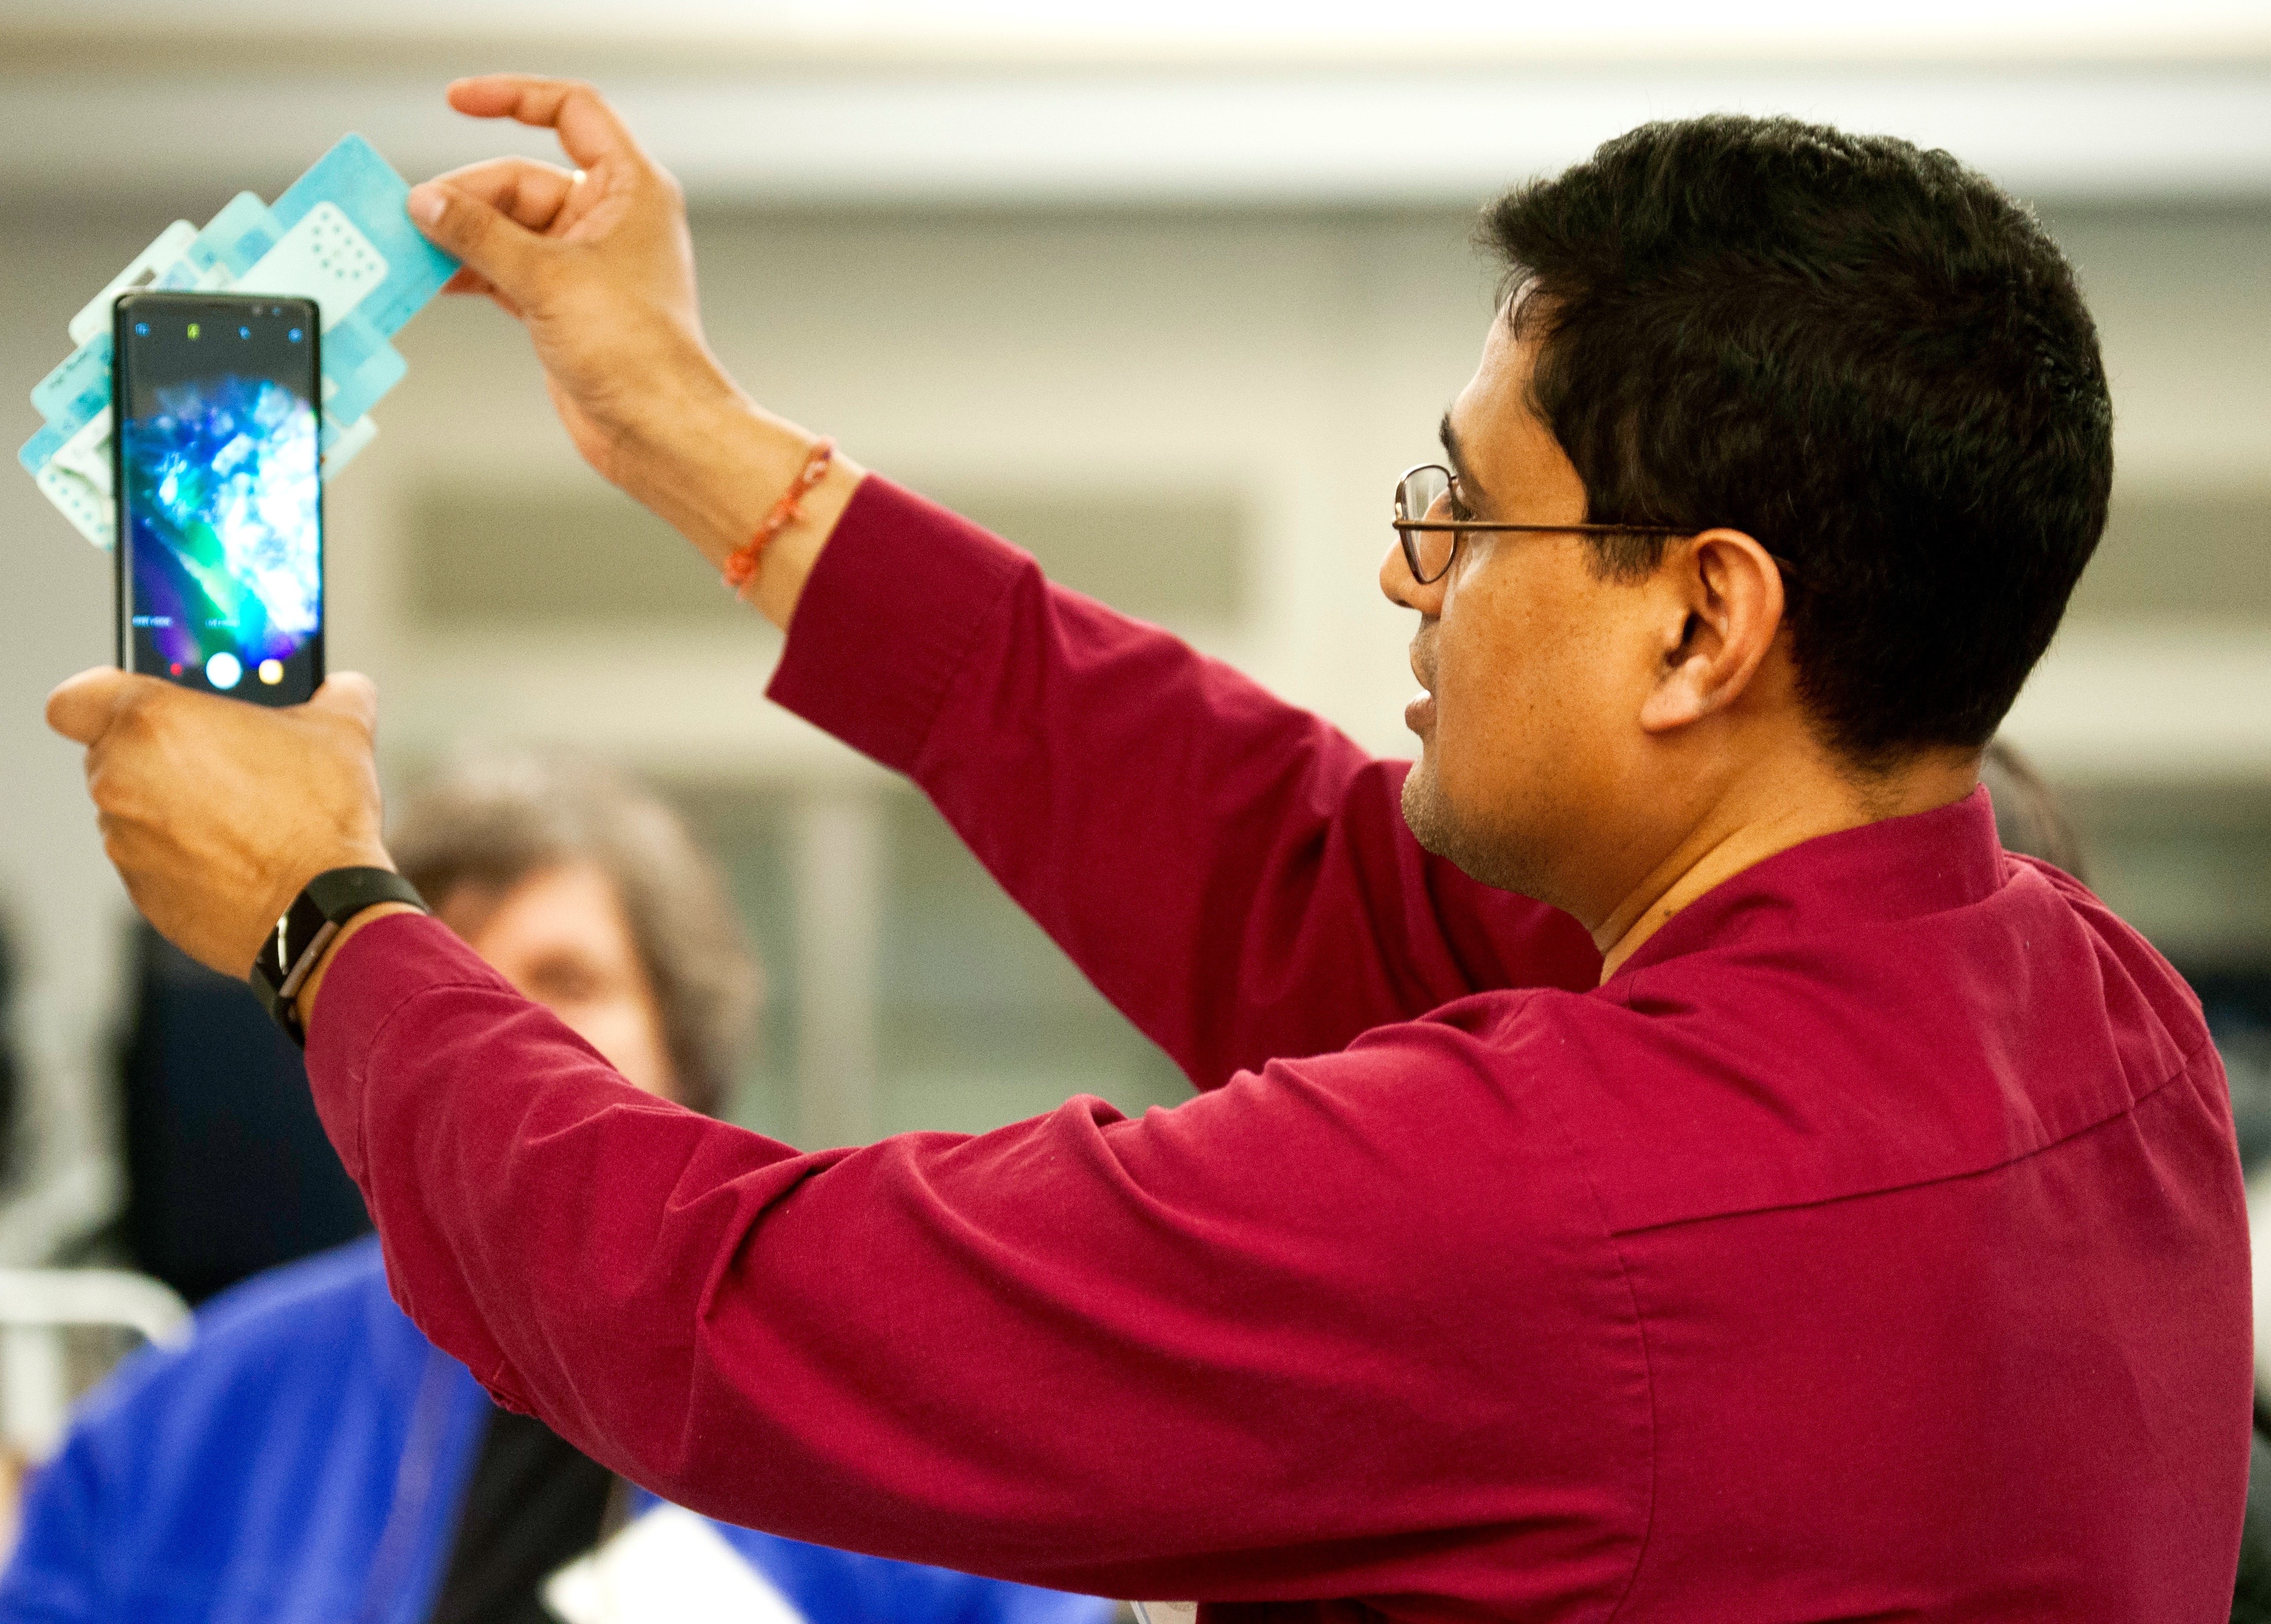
column 426, row 204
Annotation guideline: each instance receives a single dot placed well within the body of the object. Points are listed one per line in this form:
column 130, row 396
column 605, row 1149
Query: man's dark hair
column 495, row 820
column 1860, row 353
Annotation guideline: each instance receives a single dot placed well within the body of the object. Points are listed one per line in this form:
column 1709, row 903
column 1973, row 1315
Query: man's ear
column 1717, row 598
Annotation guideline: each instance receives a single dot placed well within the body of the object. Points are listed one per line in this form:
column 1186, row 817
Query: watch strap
column 321, row 910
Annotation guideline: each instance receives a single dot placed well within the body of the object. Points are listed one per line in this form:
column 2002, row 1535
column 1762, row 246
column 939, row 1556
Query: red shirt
column 1871, row 1244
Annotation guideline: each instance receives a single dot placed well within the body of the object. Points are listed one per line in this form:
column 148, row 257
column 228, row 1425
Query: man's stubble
column 1498, row 858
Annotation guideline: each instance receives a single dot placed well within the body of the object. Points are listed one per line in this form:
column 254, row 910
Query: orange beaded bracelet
column 742, row 563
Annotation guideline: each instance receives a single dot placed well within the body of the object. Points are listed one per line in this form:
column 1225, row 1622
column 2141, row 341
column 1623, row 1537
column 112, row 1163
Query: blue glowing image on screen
column 221, row 493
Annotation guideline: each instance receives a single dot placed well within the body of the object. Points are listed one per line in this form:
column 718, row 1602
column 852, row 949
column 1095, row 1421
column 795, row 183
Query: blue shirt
column 304, row 1458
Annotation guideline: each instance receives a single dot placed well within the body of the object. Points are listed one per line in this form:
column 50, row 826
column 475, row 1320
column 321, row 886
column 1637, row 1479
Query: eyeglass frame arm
column 1461, row 525
column 1591, row 530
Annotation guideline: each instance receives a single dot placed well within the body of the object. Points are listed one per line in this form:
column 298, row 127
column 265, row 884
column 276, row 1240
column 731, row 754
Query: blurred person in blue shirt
column 309, row 1454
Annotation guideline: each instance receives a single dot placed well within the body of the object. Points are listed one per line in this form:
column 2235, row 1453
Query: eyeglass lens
column 1417, row 497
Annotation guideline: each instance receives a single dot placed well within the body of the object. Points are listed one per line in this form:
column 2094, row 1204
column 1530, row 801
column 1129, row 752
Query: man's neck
column 1768, row 812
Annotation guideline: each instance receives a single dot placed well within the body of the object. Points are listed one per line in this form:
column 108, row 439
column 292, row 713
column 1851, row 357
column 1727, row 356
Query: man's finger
column 523, row 189
column 589, row 128
column 500, row 249
column 349, row 693
column 464, row 281
column 82, row 707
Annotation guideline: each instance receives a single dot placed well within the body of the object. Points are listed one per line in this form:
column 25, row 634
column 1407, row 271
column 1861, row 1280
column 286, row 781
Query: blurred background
column 1167, row 293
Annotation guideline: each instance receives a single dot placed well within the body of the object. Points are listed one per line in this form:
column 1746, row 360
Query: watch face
column 270, row 967
column 274, row 961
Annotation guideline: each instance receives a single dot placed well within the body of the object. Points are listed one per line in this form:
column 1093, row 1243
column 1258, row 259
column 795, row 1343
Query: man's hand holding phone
column 216, row 812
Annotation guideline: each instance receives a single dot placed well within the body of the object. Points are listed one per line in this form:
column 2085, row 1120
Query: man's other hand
column 595, row 260
column 216, row 812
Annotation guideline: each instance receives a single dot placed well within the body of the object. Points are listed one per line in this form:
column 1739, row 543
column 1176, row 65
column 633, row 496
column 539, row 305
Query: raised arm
column 1231, row 872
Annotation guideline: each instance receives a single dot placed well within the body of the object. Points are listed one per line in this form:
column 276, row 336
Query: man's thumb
column 501, row 249
column 350, row 693
column 81, row 707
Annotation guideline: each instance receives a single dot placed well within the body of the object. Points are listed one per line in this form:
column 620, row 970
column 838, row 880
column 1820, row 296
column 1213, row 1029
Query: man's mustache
column 1423, row 660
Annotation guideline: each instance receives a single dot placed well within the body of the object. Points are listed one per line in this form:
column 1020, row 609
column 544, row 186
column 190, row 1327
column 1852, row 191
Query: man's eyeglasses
column 1430, row 541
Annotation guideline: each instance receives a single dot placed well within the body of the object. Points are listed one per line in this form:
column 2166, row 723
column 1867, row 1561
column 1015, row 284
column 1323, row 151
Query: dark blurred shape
column 2028, row 817
column 2238, row 1005
column 228, row 1169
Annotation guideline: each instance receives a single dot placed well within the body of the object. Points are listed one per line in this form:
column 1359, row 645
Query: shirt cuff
column 900, row 595
column 379, row 969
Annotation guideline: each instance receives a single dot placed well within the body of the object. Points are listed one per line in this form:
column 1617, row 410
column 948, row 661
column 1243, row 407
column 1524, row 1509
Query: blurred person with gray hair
column 478, row 834
column 310, row 1456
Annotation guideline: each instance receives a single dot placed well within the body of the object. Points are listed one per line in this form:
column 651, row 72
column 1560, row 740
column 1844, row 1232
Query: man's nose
column 1402, row 588
column 1395, row 579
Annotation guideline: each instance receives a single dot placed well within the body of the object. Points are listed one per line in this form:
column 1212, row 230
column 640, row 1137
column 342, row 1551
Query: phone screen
column 220, row 493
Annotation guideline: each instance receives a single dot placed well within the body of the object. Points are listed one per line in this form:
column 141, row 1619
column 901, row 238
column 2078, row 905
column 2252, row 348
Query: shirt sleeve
column 1231, row 873
column 1303, row 1335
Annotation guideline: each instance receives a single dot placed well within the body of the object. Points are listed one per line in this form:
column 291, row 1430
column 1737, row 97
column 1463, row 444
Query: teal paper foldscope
column 341, row 235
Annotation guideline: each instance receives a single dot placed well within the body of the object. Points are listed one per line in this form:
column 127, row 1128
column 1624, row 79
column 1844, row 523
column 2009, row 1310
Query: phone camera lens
column 294, row 335
column 141, row 329
column 244, row 332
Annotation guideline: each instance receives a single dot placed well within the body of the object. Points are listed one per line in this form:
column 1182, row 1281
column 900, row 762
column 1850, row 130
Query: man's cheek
column 1465, row 737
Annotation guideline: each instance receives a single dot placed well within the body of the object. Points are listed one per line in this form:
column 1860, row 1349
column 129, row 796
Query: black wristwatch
column 317, row 914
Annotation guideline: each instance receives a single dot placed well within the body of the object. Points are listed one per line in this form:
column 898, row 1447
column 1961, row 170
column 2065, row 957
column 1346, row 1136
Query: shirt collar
column 1900, row 868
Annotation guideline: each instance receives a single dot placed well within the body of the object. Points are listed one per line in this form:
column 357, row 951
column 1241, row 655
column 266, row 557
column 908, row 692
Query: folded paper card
column 340, row 235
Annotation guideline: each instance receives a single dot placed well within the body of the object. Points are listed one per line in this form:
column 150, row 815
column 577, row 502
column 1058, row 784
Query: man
column 1852, row 1228
column 310, row 1456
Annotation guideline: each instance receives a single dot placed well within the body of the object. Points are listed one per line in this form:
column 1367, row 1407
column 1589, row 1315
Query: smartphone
column 215, row 415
